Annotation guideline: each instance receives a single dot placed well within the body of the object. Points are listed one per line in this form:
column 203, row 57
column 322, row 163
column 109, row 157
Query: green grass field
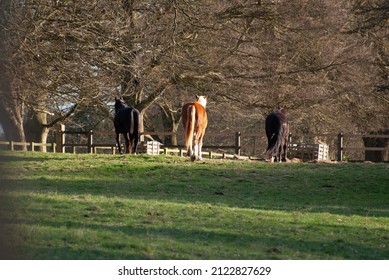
column 64, row 206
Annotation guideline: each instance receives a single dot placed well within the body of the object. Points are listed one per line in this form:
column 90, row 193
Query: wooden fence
column 232, row 147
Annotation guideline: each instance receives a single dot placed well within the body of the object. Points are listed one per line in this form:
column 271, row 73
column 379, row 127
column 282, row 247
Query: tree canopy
column 65, row 61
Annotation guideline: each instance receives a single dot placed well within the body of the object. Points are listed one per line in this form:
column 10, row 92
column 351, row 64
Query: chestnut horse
column 126, row 122
column 277, row 132
column 195, row 120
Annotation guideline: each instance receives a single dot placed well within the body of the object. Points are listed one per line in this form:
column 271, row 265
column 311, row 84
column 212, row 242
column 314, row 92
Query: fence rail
column 32, row 145
column 235, row 146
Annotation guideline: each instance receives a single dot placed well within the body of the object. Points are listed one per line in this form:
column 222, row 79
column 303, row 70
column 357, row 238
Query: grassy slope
column 145, row 207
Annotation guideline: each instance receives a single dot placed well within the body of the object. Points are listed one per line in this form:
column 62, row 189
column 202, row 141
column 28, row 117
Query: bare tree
column 11, row 103
column 324, row 61
column 61, row 59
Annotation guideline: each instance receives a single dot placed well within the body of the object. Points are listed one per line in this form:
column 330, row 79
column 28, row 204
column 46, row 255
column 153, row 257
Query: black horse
column 126, row 122
column 277, row 132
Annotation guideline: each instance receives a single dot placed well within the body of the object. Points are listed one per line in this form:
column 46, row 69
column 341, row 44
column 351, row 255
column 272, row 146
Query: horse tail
column 278, row 140
column 136, row 123
column 190, row 125
column 132, row 122
column 275, row 132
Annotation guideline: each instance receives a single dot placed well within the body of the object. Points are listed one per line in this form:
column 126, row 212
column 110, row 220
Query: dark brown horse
column 277, row 132
column 126, row 122
column 195, row 121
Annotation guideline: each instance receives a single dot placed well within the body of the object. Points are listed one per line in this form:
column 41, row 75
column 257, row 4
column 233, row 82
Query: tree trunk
column 36, row 128
column 171, row 120
column 11, row 110
column 11, row 120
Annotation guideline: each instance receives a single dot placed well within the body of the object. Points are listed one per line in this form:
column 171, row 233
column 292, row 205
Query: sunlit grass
column 147, row 207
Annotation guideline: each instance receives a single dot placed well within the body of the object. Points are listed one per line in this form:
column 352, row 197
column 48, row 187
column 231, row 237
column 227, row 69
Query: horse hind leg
column 118, row 143
column 194, row 152
column 284, row 150
column 200, row 153
column 131, row 146
column 127, row 143
column 200, row 147
column 190, row 153
column 279, row 154
column 134, row 139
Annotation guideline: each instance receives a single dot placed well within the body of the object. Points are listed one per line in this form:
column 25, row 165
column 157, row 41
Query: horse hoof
column 193, row 158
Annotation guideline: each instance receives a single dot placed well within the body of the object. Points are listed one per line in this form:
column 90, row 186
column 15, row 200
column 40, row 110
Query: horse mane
column 119, row 104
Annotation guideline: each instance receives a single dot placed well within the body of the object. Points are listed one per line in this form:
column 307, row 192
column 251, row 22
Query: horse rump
column 277, row 130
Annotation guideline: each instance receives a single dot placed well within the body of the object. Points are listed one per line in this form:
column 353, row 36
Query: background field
column 63, row 206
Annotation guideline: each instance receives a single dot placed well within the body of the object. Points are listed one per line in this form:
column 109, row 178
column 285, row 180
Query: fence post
column 53, row 147
column 60, row 139
column 340, row 146
column 11, row 145
column 237, row 143
column 90, row 141
column 32, row 144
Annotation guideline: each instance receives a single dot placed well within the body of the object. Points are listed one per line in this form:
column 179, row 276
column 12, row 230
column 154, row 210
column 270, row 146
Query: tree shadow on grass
column 9, row 157
column 343, row 200
column 159, row 242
